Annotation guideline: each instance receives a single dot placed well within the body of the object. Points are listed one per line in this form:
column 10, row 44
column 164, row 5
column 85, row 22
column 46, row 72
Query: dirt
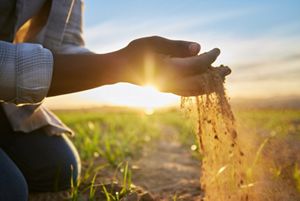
column 223, row 173
column 168, row 171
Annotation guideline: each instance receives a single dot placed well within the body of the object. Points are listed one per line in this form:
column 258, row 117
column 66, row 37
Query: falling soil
column 222, row 172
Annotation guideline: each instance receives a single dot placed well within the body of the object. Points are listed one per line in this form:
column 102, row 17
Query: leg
column 13, row 186
column 48, row 163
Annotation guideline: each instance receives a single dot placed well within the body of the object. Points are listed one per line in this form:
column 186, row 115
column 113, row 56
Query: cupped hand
column 171, row 65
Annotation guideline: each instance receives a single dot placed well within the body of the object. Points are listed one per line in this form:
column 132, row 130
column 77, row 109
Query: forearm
column 78, row 72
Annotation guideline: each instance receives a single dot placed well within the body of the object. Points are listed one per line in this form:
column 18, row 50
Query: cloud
column 264, row 65
column 113, row 34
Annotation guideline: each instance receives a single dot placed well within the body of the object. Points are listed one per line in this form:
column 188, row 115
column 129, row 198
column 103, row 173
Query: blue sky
column 255, row 18
column 259, row 40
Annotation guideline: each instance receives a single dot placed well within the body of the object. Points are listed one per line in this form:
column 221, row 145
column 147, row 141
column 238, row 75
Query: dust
column 240, row 166
column 222, row 171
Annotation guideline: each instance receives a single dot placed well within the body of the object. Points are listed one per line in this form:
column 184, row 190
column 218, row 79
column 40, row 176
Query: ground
column 169, row 170
column 153, row 152
column 166, row 169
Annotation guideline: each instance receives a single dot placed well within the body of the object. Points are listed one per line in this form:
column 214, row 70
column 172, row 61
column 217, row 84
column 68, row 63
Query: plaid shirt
column 26, row 68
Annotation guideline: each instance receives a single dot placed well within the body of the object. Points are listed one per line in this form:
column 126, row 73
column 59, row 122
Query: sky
column 259, row 40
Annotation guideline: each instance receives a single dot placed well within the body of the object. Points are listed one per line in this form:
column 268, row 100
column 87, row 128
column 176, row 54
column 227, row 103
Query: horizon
column 258, row 40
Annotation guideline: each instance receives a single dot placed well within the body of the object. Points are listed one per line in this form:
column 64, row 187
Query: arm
column 78, row 72
column 26, row 69
column 172, row 65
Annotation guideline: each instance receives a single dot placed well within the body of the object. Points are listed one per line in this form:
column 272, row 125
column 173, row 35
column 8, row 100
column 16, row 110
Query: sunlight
column 146, row 97
column 129, row 95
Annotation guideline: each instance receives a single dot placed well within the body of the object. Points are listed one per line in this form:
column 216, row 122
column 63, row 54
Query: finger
column 199, row 84
column 191, row 86
column 223, row 70
column 196, row 64
column 174, row 48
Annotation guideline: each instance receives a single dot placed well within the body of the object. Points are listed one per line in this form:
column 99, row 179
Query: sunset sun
column 147, row 98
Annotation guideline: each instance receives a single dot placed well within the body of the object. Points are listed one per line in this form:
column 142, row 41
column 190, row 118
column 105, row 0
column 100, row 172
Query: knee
column 58, row 173
column 68, row 172
column 68, row 167
column 65, row 171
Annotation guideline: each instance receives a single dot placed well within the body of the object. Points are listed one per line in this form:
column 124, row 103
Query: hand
column 173, row 66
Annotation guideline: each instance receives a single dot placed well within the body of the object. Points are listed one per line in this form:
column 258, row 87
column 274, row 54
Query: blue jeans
column 34, row 162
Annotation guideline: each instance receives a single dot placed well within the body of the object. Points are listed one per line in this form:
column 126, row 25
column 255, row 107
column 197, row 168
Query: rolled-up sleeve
column 25, row 72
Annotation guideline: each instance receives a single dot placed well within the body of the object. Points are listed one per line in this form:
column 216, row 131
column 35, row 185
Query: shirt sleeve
column 25, row 72
column 73, row 41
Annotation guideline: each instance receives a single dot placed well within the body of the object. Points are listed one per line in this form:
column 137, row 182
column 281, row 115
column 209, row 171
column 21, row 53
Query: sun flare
column 146, row 97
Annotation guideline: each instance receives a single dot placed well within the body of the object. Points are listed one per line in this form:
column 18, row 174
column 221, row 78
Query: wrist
column 122, row 67
column 110, row 67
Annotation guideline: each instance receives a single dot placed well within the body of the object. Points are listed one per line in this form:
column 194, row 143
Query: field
column 158, row 154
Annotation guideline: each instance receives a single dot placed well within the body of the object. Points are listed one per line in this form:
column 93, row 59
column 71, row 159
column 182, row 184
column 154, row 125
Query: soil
column 223, row 165
column 168, row 171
